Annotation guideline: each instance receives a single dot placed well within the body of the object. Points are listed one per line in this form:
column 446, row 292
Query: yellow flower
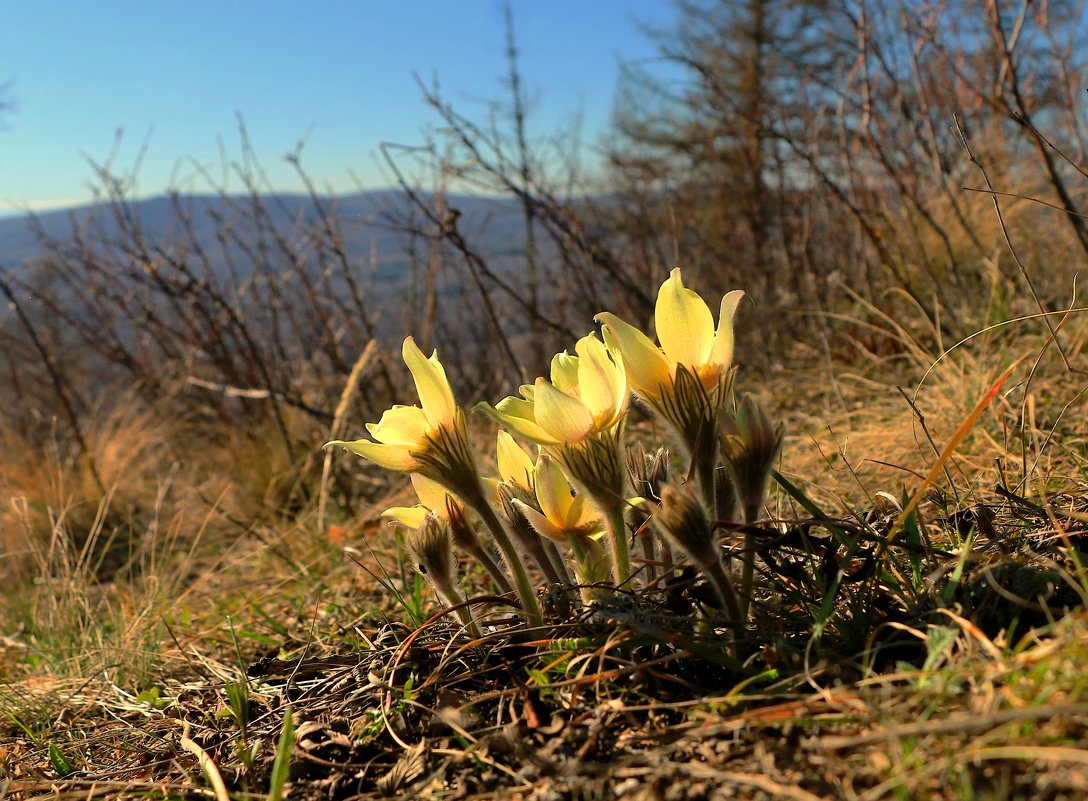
column 562, row 514
column 587, row 395
column 431, row 440
column 688, row 379
column 517, row 489
column 578, row 418
column 435, row 500
column 685, row 329
column 515, row 465
column 564, row 517
column 432, row 497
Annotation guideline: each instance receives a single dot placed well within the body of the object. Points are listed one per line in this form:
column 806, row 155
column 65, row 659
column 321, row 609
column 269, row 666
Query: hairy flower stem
column 719, row 579
column 580, row 559
column 502, row 581
column 454, row 600
column 558, row 562
column 649, row 552
column 705, row 469
column 464, row 537
column 526, row 594
column 748, row 569
column 535, row 548
column 617, row 537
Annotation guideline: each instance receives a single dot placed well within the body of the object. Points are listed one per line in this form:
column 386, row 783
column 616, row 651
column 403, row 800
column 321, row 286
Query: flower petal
column 405, row 426
column 435, row 395
column 430, row 493
column 564, row 418
column 685, row 327
column 410, row 516
column 583, row 517
column 564, row 371
column 646, row 366
column 515, row 465
column 722, row 352
column 543, row 526
column 552, row 490
column 602, row 382
column 517, row 415
column 391, row 457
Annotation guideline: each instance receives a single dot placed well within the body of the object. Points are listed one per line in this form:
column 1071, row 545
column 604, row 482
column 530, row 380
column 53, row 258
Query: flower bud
column 750, row 446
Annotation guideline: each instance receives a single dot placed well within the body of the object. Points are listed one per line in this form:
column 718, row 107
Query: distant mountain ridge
column 366, row 221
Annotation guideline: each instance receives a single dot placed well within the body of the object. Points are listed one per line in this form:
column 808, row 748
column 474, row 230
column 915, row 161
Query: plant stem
column 704, row 475
column 748, row 571
column 535, row 548
column 581, row 558
column 502, row 582
column 715, row 572
column 526, row 594
column 452, row 598
column 649, row 548
column 558, row 562
column 617, row 536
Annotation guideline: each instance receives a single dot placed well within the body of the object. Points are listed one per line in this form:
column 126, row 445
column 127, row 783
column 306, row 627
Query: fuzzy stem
column 521, row 579
column 535, row 547
column 581, row 559
column 558, row 562
column 453, row 599
column 649, row 550
column 502, row 581
column 748, row 570
column 704, row 476
column 719, row 579
column 617, row 537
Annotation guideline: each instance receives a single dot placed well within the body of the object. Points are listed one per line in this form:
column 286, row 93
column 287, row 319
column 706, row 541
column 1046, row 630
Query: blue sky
column 176, row 74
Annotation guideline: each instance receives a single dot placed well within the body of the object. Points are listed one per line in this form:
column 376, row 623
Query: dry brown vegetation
column 181, row 578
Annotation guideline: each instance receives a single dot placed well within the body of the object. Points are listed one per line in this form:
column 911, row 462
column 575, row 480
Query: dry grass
column 195, row 570
column 181, row 572
column 101, row 672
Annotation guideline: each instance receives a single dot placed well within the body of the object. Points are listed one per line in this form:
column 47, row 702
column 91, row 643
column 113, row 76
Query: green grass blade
column 281, row 767
column 60, row 762
column 798, row 495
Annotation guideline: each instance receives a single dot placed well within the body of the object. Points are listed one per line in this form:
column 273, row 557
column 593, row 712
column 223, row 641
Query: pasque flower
column 433, row 442
column 516, row 485
column 685, row 329
column 689, row 376
column 578, row 417
column 431, row 544
column 587, row 395
column 561, row 514
column 434, row 499
column 567, row 518
column 750, row 445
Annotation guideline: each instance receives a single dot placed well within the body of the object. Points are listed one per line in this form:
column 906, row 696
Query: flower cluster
column 574, row 505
